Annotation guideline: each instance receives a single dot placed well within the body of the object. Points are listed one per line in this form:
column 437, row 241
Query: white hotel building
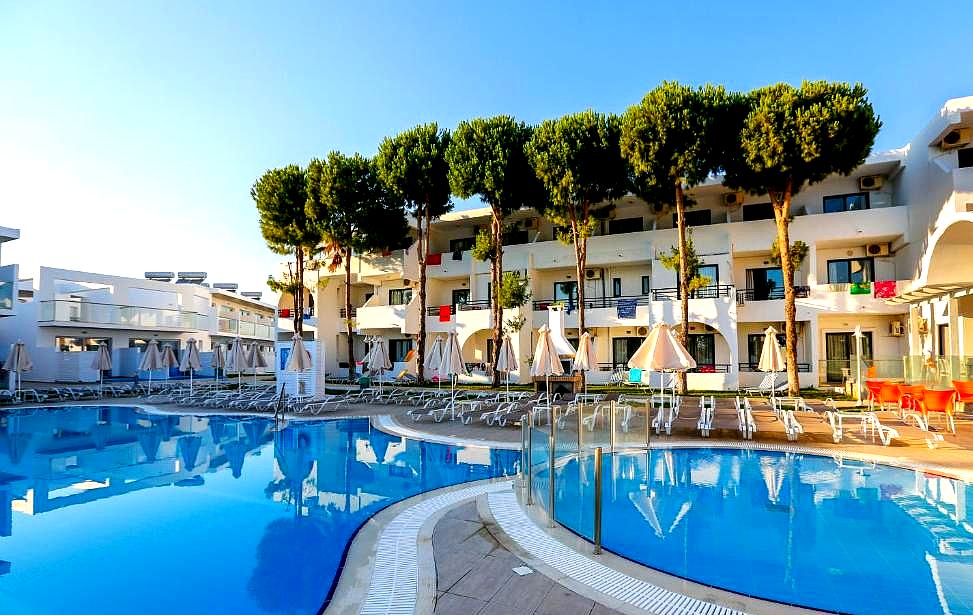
column 890, row 249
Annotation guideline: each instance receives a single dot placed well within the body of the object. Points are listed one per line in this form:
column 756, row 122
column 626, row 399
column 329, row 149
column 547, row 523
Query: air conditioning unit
column 896, row 328
column 870, row 182
column 878, row 249
column 956, row 138
column 531, row 223
column 592, row 274
column 732, row 200
column 642, row 331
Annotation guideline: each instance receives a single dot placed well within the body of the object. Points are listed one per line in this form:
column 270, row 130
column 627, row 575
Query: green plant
column 514, row 290
column 799, row 251
column 673, row 260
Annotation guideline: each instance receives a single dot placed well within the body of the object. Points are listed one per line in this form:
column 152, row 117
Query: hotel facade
column 890, row 251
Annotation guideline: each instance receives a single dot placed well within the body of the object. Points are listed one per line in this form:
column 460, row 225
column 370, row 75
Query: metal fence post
column 611, row 427
column 550, row 488
column 597, row 500
column 580, row 425
column 530, row 461
column 648, row 424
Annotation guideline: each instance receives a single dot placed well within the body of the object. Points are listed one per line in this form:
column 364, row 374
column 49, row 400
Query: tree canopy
column 280, row 196
column 413, row 166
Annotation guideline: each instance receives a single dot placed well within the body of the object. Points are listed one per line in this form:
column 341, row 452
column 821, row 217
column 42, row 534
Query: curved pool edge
column 360, row 584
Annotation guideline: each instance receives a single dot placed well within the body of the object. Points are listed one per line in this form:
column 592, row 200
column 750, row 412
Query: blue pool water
column 807, row 530
column 112, row 510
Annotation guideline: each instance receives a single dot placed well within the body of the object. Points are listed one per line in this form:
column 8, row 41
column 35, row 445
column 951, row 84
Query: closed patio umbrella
column 190, row 360
column 236, row 452
column 169, row 359
column 452, row 364
column 378, row 358
column 151, row 360
column 189, row 451
column 18, row 362
column 236, row 360
column 546, row 362
column 299, row 359
column 434, row 358
column 662, row 352
column 102, row 362
column 256, row 360
column 507, row 361
column 218, row 360
column 584, row 358
column 771, row 359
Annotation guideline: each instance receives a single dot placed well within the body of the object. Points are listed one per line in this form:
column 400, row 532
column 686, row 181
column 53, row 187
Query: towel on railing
column 885, row 289
column 625, row 308
column 434, row 259
column 445, row 311
column 860, row 288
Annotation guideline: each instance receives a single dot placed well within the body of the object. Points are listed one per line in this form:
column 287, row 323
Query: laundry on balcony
column 860, row 288
column 434, row 259
column 625, row 308
column 885, row 289
column 284, row 313
column 445, row 313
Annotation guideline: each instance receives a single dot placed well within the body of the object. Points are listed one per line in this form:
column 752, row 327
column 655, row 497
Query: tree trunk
column 683, row 279
column 423, row 248
column 497, row 278
column 298, row 294
column 581, row 258
column 782, row 210
column 348, row 317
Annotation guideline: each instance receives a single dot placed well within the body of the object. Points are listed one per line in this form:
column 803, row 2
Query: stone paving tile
column 601, row 609
column 481, row 543
column 452, row 567
column 524, row 592
column 484, row 580
column 452, row 604
column 466, row 512
column 561, row 600
column 451, row 532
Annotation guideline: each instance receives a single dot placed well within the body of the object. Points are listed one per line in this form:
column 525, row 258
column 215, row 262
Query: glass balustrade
column 121, row 315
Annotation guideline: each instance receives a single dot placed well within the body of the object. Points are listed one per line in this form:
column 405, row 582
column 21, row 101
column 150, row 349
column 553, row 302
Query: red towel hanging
column 434, row 259
column 884, row 289
column 445, row 312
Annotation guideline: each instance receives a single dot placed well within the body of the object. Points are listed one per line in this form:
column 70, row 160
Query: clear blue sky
column 130, row 132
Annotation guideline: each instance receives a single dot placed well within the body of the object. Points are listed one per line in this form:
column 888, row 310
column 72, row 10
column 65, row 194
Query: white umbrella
column 452, row 364
column 507, row 362
column 299, row 359
column 771, row 359
column 584, row 358
column 546, row 362
column 378, row 358
column 190, row 361
column 102, row 362
column 169, row 359
column 218, row 360
column 236, row 360
column 661, row 352
column 18, row 362
column 256, row 360
column 434, row 358
column 151, row 360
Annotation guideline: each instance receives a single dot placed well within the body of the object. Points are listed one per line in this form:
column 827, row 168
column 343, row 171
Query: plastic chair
column 873, row 387
column 938, row 400
column 964, row 391
column 888, row 394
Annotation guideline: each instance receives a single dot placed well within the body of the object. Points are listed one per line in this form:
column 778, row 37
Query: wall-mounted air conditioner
column 956, row 138
column 870, row 182
column 593, row 273
column 878, row 249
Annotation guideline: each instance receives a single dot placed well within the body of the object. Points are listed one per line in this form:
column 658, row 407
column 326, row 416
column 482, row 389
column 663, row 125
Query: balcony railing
column 462, row 307
column 591, row 303
column 231, row 326
column 342, row 312
column 752, row 294
column 752, row 367
column 289, row 312
column 707, row 292
column 86, row 312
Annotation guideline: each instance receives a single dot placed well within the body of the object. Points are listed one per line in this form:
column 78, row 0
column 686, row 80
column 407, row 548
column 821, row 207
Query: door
column 766, row 283
column 461, row 296
column 567, row 293
column 622, row 350
column 840, row 353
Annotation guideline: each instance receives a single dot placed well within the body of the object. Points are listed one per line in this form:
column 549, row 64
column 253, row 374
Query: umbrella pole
column 190, row 381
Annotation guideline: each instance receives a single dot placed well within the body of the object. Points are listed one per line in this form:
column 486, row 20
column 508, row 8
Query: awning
column 928, row 292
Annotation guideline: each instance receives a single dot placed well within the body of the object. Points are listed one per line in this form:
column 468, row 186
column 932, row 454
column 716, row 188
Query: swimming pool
column 115, row 510
column 843, row 536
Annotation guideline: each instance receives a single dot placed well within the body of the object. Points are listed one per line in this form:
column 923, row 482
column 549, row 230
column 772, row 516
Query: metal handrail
column 121, row 305
column 715, row 291
column 752, row 367
column 773, row 294
column 591, row 303
column 462, row 307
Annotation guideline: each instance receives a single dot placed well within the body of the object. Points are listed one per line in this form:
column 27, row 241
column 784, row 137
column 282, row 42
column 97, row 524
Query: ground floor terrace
column 481, row 548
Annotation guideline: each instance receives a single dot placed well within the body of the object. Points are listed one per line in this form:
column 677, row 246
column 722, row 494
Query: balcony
column 403, row 317
column 753, row 294
column 243, row 328
column 462, row 307
column 707, row 292
column 109, row 315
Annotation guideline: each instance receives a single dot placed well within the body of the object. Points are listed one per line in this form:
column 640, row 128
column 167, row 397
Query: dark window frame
column 844, row 202
column 619, row 226
column 758, row 207
column 646, row 285
column 847, row 261
column 571, row 300
column 692, row 213
column 400, row 290
column 616, row 287
column 715, row 279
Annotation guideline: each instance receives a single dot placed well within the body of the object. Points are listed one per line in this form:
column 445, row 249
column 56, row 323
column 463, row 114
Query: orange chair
column 888, row 395
column 871, row 372
column 939, row 400
column 964, row 391
column 874, row 388
column 910, row 396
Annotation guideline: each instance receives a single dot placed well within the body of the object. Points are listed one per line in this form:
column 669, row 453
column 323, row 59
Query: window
column 710, row 271
column 141, row 342
column 696, row 217
column 646, row 285
column 851, row 270
column 515, row 237
column 965, row 157
column 461, row 296
column 80, row 344
column 624, row 225
column 755, row 345
column 766, row 283
column 758, row 211
column 398, row 349
column 462, row 244
column 566, row 292
column 845, row 202
column 702, row 347
column 400, row 296
column 616, row 287
column 622, row 350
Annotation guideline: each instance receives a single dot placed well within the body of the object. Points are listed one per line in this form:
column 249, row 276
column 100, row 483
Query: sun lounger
column 767, row 385
column 707, row 409
column 745, row 422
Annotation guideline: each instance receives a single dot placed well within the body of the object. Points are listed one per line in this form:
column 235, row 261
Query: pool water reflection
column 114, row 510
column 814, row 531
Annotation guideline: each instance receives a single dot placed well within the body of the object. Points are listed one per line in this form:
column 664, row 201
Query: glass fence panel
column 247, row 328
column 6, row 295
column 539, row 464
